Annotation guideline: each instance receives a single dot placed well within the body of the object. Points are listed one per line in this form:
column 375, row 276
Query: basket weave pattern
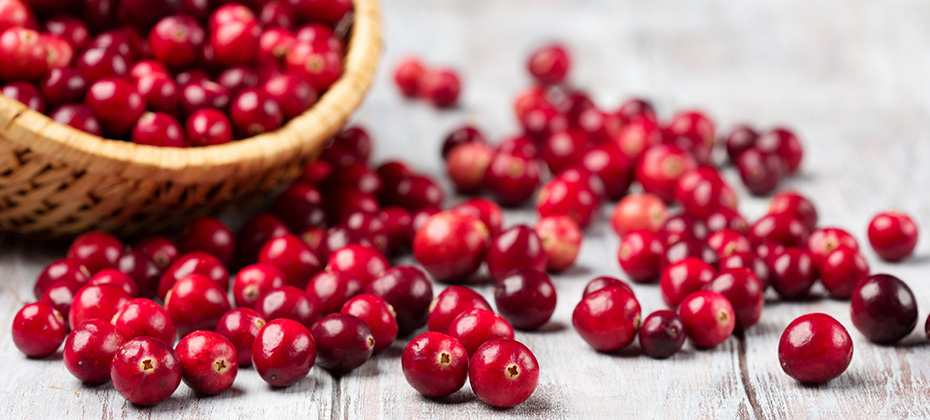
column 59, row 181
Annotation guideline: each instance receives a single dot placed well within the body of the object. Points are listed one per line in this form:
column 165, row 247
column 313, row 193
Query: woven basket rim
column 299, row 136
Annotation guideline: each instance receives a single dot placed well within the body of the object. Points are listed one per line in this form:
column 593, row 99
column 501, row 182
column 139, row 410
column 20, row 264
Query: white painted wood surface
column 851, row 76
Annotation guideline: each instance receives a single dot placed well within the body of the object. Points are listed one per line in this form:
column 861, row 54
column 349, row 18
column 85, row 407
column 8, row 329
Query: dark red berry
column 660, row 168
column 441, row 87
column 512, row 179
column 463, row 135
column 607, row 319
column 503, row 373
column 451, row 246
column 515, row 248
column 283, row 352
column 96, row 251
column 815, row 348
column 794, row 204
column 744, row 291
column 61, row 270
column 89, row 351
column 362, row 262
column 209, row 362
column 194, row 263
column 241, row 326
column 96, row 302
column 883, row 309
column 38, row 329
column 116, row 103
column 408, row 291
column 708, row 318
column 549, row 64
column 684, row 277
column 893, row 235
column 144, row 318
column 287, row 302
column 640, row 255
column 451, row 302
column 741, row 137
column 475, row 327
column 823, row 241
column 662, row 334
column 793, row 273
column 161, row 250
column 208, row 127
column 782, row 143
column 843, row 269
column 293, row 257
column 377, row 314
column 208, row 235
column 177, row 41
column 761, row 172
column 526, row 298
column 195, row 303
column 344, row 342
column 145, row 371
column 435, row 364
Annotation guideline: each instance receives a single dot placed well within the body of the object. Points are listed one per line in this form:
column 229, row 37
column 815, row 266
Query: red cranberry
column 25, row 56
column 195, row 303
column 604, row 282
column 694, row 132
column 843, row 269
column 463, row 135
column 101, row 63
column 89, row 351
column 883, row 309
column 38, row 330
column 324, row 11
column 408, row 291
column 823, row 241
column 515, row 248
column 684, row 277
column 477, row 326
column 354, row 145
column 638, row 211
column 408, row 75
column 688, row 248
column 451, row 302
column 299, row 206
column 357, row 176
column 116, row 103
column 503, row 373
column 96, row 302
column 143, row 273
column 783, row 143
column 209, row 362
column 466, row 165
column 415, row 192
column 420, row 217
column 158, row 129
column 638, row 135
column 344, row 342
column 744, row 291
column 364, row 263
column 747, row 260
column 177, row 41
column 99, row 13
column 208, row 127
column 564, row 148
column 61, row 270
column 398, row 223
column 161, row 250
column 795, row 205
column 815, row 348
column 703, row 191
column 708, row 318
column 288, row 302
column 485, row 210
column 116, row 278
column 283, row 352
column 25, row 93
column 234, row 41
column 561, row 240
column 793, row 273
column 317, row 61
column 549, row 64
column 317, row 239
column 207, row 234
column 441, row 87
column 254, row 281
column 254, row 112
column 451, row 246
column 241, row 326
column 435, row 364
column 615, row 168
column 340, row 204
column 274, row 44
column 783, row 229
column 194, row 263
column 526, row 298
column 332, row 289
column 96, row 251
column 145, row 371
column 256, row 232
column 741, row 137
column 768, row 251
column 607, row 319
column 293, row 257
column 377, row 314
column 522, row 146
column 512, row 179
column 728, row 241
column 148, row 67
column 662, row 334
column 563, row 197
column 893, row 235
column 660, row 168
column 541, row 120
column 534, row 96
column 276, row 15
column 15, row 14
column 60, row 295
column 293, row 94
column 78, row 116
column 160, row 92
column 683, row 226
column 198, row 95
column 759, row 171
column 143, row 317
column 726, row 218
column 640, row 255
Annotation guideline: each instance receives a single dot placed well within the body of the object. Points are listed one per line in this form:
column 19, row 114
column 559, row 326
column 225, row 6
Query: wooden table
column 850, row 76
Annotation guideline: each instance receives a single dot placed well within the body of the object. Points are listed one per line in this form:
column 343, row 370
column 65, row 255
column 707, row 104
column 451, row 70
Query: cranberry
column 640, row 255
column 607, row 319
column 254, row 281
column 823, row 241
column 683, row 226
column 357, row 145
column 38, row 329
column 744, row 291
column 522, row 146
column 893, row 235
column 16, row 15
column 815, row 348
column 274, row 44
column 78, row 116
column 415, row 192
column 145, row 371
column 331, row 289
column 534, row 96
column 741, row 137
column 408, row 291
column 143, row 317
column 747, row 260
column 61, row 270
column 209, row 362
column 614, row 168
column 604, row 282
column 843, row 269
column 377, row 314
column 728, row 241
column 561, row 240
column 768, row 251
column 147, row 67
column 160, row 92
column 202, row 94
column 364, row 263
column 241, row 326
column 451, row 302
column 340, row 204
column 477, row 326
column 435, row 364
column 283, row 352
column 660, row 168
column 684, row 277
column 177, row 41
column 293, row 94
column 25, row 93
column 194, row 263
column 234, row 41
column 318, row 62
column 99, row 13
column 512, row 179
column 420, row 217
column 694, row 132
column 143, row 274
column 451, row 246
column 793, row 273
column 96, row 251
column 357, row 176
column 101, row 63
column 726, row 218
column 324, row 11
column 60, row 295
column 408, row 75
column 526, row 298
column 782, row 143
column 288, row 302
column 503, row 373
column 398, row 223
column 637, row 136
column 564, row 148
column 293, row 257
column 688, row 248
column 702, row 191
column 116, row 103
column 441, row 87
column 158, row 129
column 638, row 211
column 463, row 135
column 549, row 64
column 208, row 235
column 254, row 112
column 25, row 56
column 562, row 196
column 161, row 250
column 783, row 229
column 485, row 210
column 89, row 351
column 96, row 302
column 883, row 309
column 299, row 207
column 662, row 334
column 708, row 317
column 759, row 171
column 195, row 303
column 343, row 341
column 795, row 205
column 466, row 165
column 208, row 127
column 317, row 239
column 515, row 248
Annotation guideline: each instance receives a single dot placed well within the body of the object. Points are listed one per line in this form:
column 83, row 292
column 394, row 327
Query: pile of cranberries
column 172, row 74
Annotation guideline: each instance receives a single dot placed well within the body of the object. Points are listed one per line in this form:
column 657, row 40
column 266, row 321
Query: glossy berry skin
column 299, row 207
column 708, row 318
column 485, row 210
column 241, row 326
column 637, row 212
column 741, row 137
column 815, row 348
column 158, row 129
column 512, row 179
column 688, row 248
column 193, row 263
column 414, row 192
column 208, row 127
column 116, row 103
column 96, row 302
column 563, row 197
column 441, row 87
column 332, row 289
column 209, row 362
column 143, row 274
column 60, row 295
column 760, row 172
column 823, row 241
column 602, row 282
column 293, row 257
column 288, row 302
column 77, row 116
column 477, row 326
column 607, row 319
column 451, row 246
column 549, row 64
column 38, row 330
column 662, row 334
column 783, row 229
column 843, row 269
column 660, row 168
column 515, row 248
column 61, row 270
column 893, row 235
column 783, row 143
column 377, row 314
column 254, row 112
column 451, row 302
column 253, row 281
column 526, row 298
column 89, row 351
column 728, row 241
column 466, row 165
column 561, row 240
column 747, row 260
column 362, row 262
column 145, row 371
column 195, row 303
column 161, row 250
column 160, row 92
column 883, row 309
column 726, row 218
column 409, row 292
column 207, row 234
column 694, row 132
column 608, row 162
column 794, row 204
column 640, row 255
column 96, row 251
column 684, row 277
column 144, row 318
column 283, row 352
column 25, row 93
column 177, row 41
column 435, row 364
column 408, row 76
column 744, row 291
column 503, row 373
column 793, row 273
column 318, row 62
column 344, row 342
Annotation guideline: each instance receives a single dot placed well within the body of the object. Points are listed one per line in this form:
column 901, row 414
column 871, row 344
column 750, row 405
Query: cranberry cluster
column 439, row 86
column 173, row 74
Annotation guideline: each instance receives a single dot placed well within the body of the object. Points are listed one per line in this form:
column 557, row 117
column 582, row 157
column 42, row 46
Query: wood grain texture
column 850, row 76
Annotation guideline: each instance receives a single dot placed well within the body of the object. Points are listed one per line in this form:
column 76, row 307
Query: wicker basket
column 59, row 181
